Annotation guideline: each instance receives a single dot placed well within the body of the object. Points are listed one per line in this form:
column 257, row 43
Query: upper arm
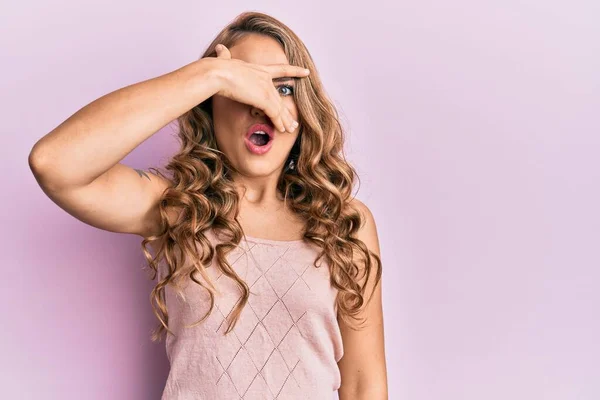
column 362, row 366
column 122, row 199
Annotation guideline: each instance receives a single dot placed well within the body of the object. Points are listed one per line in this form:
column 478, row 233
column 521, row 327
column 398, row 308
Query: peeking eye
column 289, row 87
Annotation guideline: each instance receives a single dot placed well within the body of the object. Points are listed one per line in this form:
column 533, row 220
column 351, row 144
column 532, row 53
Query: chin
column 257, row 168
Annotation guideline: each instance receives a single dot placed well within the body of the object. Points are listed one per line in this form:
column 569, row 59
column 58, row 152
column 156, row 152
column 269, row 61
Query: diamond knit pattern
column 285, row 345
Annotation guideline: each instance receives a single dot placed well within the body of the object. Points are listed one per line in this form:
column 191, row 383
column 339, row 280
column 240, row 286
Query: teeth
column 260, row 132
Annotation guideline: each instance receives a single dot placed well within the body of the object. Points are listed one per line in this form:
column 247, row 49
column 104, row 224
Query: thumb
column 222, row 51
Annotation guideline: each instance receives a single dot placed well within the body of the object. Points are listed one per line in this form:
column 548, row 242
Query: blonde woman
column 268, row 274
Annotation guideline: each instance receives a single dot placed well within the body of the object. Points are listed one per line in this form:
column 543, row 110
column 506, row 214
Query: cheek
column 221, row 107
column 290, row 139
column 226, row 115
column 224, row 106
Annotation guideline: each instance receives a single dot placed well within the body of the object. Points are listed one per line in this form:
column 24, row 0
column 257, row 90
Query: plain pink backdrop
column 474, row 128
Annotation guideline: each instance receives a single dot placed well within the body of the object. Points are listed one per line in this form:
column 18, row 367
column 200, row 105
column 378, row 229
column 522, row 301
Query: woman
column 269, row 275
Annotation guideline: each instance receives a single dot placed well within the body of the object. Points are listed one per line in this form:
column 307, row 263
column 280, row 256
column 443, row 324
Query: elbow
column 41, row 168
column 37, row 162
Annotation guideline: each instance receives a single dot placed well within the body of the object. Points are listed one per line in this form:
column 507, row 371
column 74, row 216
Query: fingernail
column 307, row 70
column 294, row 125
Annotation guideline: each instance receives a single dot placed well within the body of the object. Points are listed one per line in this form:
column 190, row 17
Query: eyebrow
column 285, row 79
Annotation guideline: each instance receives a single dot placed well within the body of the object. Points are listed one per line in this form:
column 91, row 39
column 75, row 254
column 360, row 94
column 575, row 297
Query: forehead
column 258, row 49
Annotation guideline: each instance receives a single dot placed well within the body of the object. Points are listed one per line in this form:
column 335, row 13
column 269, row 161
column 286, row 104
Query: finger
column 293, row 124
column 281, row 117
column 286, row 118
column 280, row 70
column 284, row 114
column 222, row 51
column 274, row 111
column 278, row 122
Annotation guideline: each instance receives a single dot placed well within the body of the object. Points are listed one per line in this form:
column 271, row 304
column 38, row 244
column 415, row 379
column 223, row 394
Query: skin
column 262, row 211
column 362, row 367
column 78, row 166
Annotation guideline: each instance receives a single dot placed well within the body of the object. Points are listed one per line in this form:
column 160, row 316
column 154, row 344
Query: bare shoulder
column 368, row 229
column 363, row 366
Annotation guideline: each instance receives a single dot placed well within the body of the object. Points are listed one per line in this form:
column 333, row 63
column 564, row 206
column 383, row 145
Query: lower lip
column 258, row 149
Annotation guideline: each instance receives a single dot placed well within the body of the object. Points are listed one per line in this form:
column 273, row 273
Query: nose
column 257, row 112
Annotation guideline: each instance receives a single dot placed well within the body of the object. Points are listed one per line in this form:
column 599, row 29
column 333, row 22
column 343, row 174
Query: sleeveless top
column 286, row 343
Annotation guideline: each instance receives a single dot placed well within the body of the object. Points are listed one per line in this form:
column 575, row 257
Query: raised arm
column 78, row 163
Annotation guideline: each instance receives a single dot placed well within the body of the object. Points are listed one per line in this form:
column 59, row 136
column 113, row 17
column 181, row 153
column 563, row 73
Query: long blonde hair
column 318, row 189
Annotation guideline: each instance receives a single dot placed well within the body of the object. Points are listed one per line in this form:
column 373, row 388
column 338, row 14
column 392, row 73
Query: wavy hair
column 318, row 189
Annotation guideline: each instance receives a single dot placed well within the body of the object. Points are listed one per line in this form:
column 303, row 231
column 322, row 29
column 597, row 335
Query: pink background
column 475, row 130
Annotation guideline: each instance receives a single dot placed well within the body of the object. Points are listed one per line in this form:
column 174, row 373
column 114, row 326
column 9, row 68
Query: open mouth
column 259, row 138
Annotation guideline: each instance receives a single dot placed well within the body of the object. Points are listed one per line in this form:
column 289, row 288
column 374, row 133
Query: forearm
column 103, row 132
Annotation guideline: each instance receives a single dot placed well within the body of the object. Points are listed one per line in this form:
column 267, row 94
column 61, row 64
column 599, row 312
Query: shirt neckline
column 254, row 239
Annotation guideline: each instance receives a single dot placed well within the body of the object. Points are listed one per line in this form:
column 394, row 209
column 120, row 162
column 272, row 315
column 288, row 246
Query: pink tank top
column 285, row 345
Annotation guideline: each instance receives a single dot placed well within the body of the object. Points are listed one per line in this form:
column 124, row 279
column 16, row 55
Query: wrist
column 203, row 77
column 209, row 73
